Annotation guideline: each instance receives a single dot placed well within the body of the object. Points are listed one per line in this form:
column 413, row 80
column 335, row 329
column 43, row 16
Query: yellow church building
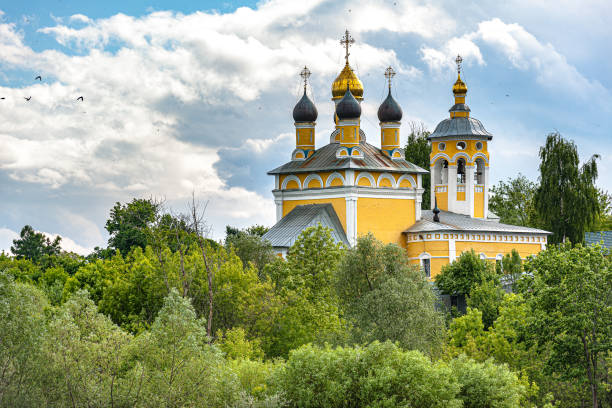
column 355, row 188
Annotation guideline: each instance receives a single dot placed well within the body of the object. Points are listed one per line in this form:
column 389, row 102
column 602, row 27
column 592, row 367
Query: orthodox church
column 356, row 188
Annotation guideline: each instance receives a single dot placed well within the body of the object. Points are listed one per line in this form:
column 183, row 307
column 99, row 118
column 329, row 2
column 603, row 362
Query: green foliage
column 566, row 200
column 382, row 375
column 604, row 221
column 486, row 297
column 128, row 223
column 235, row 345
column 486, row 385
column 249, row 246
column 34, row 245
column 417, row 150
column 22, row 327
column 512, row 201
column 304, row 283
column 569, row 292
column 468, row 271
column 511, row 267
column 385, row 298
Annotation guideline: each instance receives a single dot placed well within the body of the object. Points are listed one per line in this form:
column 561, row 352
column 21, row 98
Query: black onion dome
column 389, row 110
column 305, row 110
column 348, row 107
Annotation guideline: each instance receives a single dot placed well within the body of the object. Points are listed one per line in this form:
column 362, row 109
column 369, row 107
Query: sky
column 185, row 96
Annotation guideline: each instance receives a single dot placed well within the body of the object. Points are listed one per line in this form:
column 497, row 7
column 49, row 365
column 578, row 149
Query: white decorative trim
column 425, row 255
column 406, row 177
column 288, row 179
column 279, row 209
column 332, row 137
column 365, row 174
column 296, row 151
column 434, row 159
column 305, row 125
column 340, row 150
column 342, row 192
column 332, row 177
column 311, row 177
column 466, row 156
column 359, row 152
column 351, row 219
column 452, row 251
column 401, row 156
column 390, row 125
column 480, row 155
column 386, row 176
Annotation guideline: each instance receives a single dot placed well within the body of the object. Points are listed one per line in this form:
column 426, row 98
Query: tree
column 128, row 223
column 512, row 201
column 486, row 297
column 34, row 245
column 249, row 246
column 385, row 298
column 604, row 222
column 566, row 201
column 569, row 292
column 460, row 276
column 417, row 150
column 511, row 267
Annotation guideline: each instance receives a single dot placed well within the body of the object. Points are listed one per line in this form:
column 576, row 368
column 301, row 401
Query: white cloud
column 6, row 239
column 7, row 236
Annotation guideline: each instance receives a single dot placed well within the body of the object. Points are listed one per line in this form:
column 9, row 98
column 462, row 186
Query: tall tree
column 569, row 292
column 128, row 223
column 417, row 152
column 567, row 200
column 249, row 246
column 34, row 245
column 512, row 201
column 385, row 298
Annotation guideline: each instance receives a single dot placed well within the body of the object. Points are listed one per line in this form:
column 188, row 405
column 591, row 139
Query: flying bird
column 3, row 97
column 80, row 98
column 39, row 78
column 28, row 98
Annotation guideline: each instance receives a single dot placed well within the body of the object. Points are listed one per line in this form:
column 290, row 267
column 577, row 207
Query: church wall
column 492, row 249
column 339, row 205
column 386, row 218
column 478, row 202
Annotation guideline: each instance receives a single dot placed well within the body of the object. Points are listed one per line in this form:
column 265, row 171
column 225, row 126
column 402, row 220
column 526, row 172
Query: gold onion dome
column 459, row 87
column 347, row 76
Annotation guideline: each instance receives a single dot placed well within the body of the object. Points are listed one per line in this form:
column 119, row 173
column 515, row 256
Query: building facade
column 355, row 187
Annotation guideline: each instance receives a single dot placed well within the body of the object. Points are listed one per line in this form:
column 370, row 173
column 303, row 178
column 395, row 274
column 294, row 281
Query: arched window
column 426, row 264
column 499, row 261
column 461, row 171
column 441, row 172
column 482, row 256
column 479, row 172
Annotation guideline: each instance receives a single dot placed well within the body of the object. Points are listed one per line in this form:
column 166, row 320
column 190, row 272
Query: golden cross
column 458, row 60
column 305, row 74
column 346, row 41
column 389, row 73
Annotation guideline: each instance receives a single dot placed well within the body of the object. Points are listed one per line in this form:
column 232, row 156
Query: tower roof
column 347, row 77
column 461, row 126
column 305, row 110
column 389, row 110
column 348, row 107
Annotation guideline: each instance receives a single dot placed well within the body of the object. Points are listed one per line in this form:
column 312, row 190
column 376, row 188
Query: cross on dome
column 305, row 74
column 347, row 41
column 458, row 60
column 389, row 73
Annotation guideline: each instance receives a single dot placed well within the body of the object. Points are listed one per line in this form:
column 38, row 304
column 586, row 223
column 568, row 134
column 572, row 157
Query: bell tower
column 459, row 159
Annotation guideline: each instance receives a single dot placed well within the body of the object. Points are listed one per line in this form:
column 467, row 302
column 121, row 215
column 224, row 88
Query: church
column 356, row 188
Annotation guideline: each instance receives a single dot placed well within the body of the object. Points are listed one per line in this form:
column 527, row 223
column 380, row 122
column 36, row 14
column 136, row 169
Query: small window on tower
column 441, row 146
column 461, row 145
column 478, row 145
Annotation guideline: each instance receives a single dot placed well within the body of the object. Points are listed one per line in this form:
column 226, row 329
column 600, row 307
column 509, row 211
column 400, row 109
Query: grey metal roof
column 284, row 233
column 597, row 237
column 324, row 159
column 458, row 222
column 460, row 127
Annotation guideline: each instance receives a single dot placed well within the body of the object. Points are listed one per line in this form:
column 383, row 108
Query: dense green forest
column 178, row 320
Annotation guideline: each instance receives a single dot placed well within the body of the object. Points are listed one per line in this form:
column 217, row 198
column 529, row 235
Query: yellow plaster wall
column 460, row 195
column 433, row 248
column 491, row 249
column 386, row 218
column 292, row 185
column 349, row 135
column 451, row 148
column 389, row 138
column 339, row 205
column 305, row 138
column 442, row 201
column 314, row 183
column 478, row 204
